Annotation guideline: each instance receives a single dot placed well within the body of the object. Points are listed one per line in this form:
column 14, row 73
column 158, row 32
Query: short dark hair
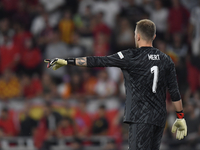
column 102, row 107
column 48, row 104
column 147, row 29
column 5, row 109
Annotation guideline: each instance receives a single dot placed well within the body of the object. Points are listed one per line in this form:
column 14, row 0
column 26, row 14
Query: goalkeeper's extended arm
column 180, row 123
column 120, row 59
column 58, row 62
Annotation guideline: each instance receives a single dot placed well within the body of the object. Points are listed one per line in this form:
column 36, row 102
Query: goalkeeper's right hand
column 55, row 63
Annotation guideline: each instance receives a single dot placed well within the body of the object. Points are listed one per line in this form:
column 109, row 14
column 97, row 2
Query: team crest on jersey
column 153, row 57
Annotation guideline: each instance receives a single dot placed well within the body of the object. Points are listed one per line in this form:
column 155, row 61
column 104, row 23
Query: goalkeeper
column 148, row 73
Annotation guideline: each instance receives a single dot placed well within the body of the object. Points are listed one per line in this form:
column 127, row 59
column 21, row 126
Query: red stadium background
column 80, row 108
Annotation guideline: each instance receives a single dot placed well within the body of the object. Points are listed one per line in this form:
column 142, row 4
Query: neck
column 146, row 45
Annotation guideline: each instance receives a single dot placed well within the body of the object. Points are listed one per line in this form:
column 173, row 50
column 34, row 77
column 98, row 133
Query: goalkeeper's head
column 145, row 32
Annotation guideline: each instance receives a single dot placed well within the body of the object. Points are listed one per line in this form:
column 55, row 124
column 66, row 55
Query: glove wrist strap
column 180, row 114
column 71, row 61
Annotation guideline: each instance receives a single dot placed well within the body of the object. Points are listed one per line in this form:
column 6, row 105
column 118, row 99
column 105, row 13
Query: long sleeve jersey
column 148, row 73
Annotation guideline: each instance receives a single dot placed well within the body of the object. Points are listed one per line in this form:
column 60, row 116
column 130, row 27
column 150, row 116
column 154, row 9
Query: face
column 177, row 38
column 175, row 3
column 4, row 114
column 82, row 106
column 47, row 111
column 161, row 45
column 65, row 123
column 102, row 112
column 7, row 74
column 4, row 24
column 86, row 75
column 103, row 75
column 67, row 15
column 76, row 79
column 28, row 43
column 158, row 4
column 190, row 108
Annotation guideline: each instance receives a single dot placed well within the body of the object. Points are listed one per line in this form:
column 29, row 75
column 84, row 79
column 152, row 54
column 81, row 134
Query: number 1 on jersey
column 155, row 71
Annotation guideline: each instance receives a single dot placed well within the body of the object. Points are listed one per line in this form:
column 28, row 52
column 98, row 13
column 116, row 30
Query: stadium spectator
column 77, row 144
column 9, row 86
column 9, row 54
column 89, row 82
column 193, row 98
column 56, row 48
column 161, row 45
column 51, row 6
column 100, row 124
column 31, row 87
column 22, row 14
column 86, row 17
column 65, row 128
column 31, row 57
column 111, row 145
column 76, row 49
column 84, row 4
column 177, row 49
column 193, row 77
column 193, row 124
column 114, row 73
column 76, row 86
column 101, row 46
column 159, row 16
column 105, row 87
column 20, row 34
column 7, row 123
column 72, row 5
column 190, row 4
column 5, row 27
column 66, row 27
column 42, row 20
column 64, row 89
column 27, row 123
column 72, row 88
column 192, row 118
column 82, row 120
column 133, row 12
column 110, row 9
column 10, row 7
column 178, row 18
column 194, row 30
column 44, row 37
column 47, row 127
column 125, row 35
column 99, row 27
column 49, row 87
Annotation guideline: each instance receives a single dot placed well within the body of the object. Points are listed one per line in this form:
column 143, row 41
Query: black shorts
column 144, row 137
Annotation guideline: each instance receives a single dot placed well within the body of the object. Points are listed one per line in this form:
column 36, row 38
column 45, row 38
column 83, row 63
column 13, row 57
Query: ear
column 138, row 37
column 154, row 37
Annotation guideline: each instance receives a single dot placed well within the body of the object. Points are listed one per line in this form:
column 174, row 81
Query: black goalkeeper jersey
column 148, row 73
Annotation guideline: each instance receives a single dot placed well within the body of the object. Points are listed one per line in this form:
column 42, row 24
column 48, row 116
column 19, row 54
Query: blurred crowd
column 31, row 31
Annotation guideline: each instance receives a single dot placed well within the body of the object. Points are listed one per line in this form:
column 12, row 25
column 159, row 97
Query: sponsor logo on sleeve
column 121, row 56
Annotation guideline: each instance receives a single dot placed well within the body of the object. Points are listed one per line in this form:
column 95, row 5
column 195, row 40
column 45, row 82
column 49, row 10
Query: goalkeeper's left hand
column 180, row 126
column 55, row 63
